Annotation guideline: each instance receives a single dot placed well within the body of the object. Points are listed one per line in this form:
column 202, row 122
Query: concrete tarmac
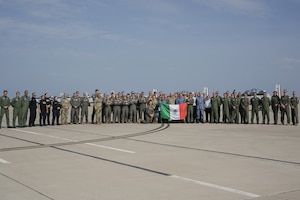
column 150, row 161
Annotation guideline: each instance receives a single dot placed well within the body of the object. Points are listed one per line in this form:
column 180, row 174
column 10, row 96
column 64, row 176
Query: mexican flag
column 173, row 112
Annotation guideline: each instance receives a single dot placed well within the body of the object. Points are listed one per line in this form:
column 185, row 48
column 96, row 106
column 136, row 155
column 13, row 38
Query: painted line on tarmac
column 218, row 187
column 111, row 148
column 4, row 161
column 50, row 136
column 66, row 139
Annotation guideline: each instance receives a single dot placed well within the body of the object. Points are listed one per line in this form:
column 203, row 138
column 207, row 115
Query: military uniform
column 142, row 107
column 117, row 102
column 98, row 109
column 255, row 102
column 294, row 108
column 56, row 106
column 75, row 103
column 48, row 101
column 43, row 111
column 125, row 110
column 65, row 105
column 4, row 104
column 275, row 102
column 226, row 112
column 285, row 108
column 150, row 112
column 132, row 108
column 16, row 103
column 24, row 109
column 235, row 105
column 245, row 102
column 85, row 103
column 32, row 109
column 265, row 106
column 190, row 113
column 107, row 109
column 214, row 110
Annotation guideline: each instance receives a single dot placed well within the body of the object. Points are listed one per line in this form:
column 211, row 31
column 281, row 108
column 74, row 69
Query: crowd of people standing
column 138, row 108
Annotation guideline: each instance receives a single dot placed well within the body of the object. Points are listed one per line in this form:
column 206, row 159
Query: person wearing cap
column 294, row 108
column 245, row 102
column 275, row 103
column 85, row 103
column 265, row 107
column 4, row 104
column 285, row 107
column 16, row 103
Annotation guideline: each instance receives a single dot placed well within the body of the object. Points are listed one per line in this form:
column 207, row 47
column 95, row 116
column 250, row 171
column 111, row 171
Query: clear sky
column 171, row 45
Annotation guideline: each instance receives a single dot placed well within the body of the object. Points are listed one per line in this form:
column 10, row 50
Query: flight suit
column 255, row 102
column 245, row 102
column 24, row 109
column 275, row 102
column 132, row 109
column 16, row 103
column 125, row 110
column 107, row 109
column 294, row 108
column 85, row 103
column 235, row 104
column 190, row 111
column 75, row 103
column 117, row 102
column 214, row 110
column 265, row 105
column 226, row 113
column 4, row 104
column 285, row 108
column 142, row 107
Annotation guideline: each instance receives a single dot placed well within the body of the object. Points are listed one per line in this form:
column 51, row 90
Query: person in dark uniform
column 43, row 110
column 32, row 110
column 275, row 102
column 48, row 101
column 56, row 106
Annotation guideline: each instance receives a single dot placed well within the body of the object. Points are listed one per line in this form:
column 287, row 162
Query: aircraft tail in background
column 278, row 89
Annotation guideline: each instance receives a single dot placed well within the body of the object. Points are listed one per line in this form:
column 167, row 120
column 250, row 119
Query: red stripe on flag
column 183, row 110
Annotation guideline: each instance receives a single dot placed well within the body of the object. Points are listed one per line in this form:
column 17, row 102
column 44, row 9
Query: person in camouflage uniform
column 294, row 108
column 245, row 102
column 16, row 103
column 98, row 108
column 4, row 104
column 265, row 106
column 275, row 102
column 150, row 112
column 85, row 103
column 285, row 107
column 255, row 102
column 24, row 109
column 65, row 105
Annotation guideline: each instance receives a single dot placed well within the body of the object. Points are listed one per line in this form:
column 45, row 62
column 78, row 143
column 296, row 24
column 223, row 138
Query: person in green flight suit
column 214, row 108
column 190, row 111
column 265, row 107
column 4, row 104
column 16, row 103
column 245, row 102
column 235, row 103
column 24, row 108
column 255, row 103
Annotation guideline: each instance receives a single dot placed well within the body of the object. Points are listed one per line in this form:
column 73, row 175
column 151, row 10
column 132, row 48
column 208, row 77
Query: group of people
column 138, row 108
